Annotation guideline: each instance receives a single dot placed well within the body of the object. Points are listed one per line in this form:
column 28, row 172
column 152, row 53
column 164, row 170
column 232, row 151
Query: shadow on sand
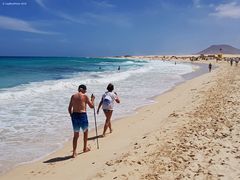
column 94, row 137
column 58, row 159
column 64, row 158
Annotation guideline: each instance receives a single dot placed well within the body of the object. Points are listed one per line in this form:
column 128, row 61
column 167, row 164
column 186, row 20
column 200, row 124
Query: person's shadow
column 58, row 159
column 64, row 158
column 94, row 137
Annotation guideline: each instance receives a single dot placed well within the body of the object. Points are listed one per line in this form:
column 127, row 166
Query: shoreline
column 58, row 161
column 92, row 131
column 194, row 74
column 147, row 102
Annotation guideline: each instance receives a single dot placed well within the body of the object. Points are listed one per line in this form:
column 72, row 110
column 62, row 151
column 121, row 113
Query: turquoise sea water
column 35, row 92
column 22, row 70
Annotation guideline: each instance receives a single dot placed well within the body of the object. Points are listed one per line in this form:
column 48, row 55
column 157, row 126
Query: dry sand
column 191, row 132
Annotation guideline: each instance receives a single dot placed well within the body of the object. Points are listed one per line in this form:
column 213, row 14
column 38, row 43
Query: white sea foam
column 34, row 117
column 35, row 89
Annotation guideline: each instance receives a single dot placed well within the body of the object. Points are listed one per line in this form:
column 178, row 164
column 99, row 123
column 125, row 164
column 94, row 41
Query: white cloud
column 196, row 3
column 40, row 3
column 113, row 18
column 71, row 18
column 230, row 10
column 104, row 4
column 92, row 18
column 61, row 14
column 19, row 25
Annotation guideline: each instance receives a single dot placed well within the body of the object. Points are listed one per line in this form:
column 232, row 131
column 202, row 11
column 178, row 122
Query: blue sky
column 116, row 27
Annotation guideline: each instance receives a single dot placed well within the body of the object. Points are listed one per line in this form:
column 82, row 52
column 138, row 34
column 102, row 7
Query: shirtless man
column 77, row 111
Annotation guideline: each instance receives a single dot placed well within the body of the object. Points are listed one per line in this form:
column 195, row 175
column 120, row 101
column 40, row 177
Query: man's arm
column 90, row 103
column 70, row 106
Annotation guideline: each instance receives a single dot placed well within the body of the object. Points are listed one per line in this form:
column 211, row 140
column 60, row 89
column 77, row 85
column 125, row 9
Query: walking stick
column 95, row 124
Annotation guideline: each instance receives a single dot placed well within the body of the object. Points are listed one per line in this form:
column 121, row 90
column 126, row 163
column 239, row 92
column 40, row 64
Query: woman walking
column 107, row 103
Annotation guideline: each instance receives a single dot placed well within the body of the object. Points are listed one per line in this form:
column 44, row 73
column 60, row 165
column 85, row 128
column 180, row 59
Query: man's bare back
column 78, row 102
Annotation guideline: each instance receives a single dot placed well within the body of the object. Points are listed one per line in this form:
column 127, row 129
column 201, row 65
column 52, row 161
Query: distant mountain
column 223, row 48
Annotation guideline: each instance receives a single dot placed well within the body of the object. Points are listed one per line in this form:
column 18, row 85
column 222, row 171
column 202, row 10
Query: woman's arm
column 117, row 98
column 100, row 104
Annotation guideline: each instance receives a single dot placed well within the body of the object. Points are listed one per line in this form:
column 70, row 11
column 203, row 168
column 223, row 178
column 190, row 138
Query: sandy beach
column 190, row 132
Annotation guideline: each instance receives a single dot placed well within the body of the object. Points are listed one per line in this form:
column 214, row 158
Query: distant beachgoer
column 236, row 61
column 99, row 67
column 210, row 67
column 77, row 111
column 118, row 68
column 175, row 63
column 107, row 103
column 231, row 61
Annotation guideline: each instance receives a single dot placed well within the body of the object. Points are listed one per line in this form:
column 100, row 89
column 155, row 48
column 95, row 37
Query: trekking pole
column 95, row 124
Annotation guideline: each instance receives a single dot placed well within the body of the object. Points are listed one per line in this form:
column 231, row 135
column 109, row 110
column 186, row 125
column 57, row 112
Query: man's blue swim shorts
column 79, row 120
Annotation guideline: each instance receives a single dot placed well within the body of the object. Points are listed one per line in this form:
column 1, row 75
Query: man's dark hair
column 82, row 86
column 110, row 87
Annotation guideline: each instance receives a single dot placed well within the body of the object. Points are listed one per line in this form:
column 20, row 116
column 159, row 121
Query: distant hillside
column 216, row 49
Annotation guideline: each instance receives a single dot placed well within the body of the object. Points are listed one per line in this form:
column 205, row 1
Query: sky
column 93, row 28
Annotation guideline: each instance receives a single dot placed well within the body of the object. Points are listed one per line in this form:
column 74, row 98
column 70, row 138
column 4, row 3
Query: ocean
column 35, row 93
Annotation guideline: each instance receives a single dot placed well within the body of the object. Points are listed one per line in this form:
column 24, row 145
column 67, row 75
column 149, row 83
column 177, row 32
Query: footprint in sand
column 137, row 147
column 109, row 163
column 114, row 170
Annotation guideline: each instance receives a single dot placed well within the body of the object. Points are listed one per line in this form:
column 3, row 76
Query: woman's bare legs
column 107, row 124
